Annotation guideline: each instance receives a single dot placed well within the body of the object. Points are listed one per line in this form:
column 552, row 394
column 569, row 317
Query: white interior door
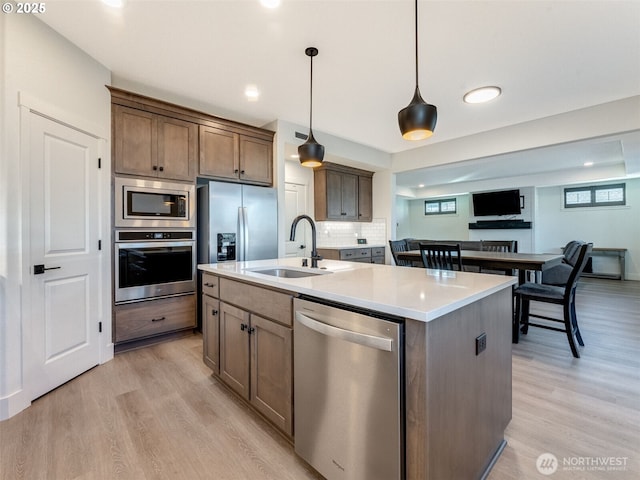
column 295, row 197
column 63, row 249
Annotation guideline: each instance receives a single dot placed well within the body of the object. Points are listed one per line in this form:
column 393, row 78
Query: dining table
column 522, row 262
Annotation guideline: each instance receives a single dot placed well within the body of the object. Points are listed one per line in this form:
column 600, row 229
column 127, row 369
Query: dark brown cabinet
column 356, row 254
column 211, row 322
column 141, row 320
column 251, row 352
column 229, row 155
column 152, row 145
column 342, row 193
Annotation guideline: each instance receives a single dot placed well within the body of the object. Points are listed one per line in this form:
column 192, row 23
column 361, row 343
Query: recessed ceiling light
column 588, row 164
column 252, row 93
column 114, row 3
column 482, row 94
column 270, row 3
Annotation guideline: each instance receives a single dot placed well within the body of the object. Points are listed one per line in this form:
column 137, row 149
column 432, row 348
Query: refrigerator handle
column 240, row 239
column 244, row 233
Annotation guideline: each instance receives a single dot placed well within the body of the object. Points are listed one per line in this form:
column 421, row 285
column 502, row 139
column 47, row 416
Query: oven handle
column 151, row 244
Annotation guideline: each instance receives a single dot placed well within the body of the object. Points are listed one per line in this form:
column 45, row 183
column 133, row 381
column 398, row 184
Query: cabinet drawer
column 377, row 252
column 210, row 285
column 277, row 306
column 143, row 319
column 354, row 253
column 378, row 260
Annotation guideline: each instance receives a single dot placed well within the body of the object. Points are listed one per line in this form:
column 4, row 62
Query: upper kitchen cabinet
column 154, row 138
column 231, row 155
column 152, row 145
column 342, row 193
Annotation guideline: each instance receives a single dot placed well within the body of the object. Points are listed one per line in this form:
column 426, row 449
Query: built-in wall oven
column 154, row 263
column 143, row 203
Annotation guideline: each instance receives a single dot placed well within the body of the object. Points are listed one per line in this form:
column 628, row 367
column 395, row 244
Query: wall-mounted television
column 505, row 202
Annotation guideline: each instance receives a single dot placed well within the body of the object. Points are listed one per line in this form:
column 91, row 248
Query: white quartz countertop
column 416, row 293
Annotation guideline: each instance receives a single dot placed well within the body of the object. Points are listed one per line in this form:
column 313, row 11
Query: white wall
column 43, row 67
column 439, row 227
column 553, row 225
column 615, row 227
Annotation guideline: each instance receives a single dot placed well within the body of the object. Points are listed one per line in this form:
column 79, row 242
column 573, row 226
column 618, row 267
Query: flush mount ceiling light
column 311, row 152
column 270, row 3
column 482, row 94
column 114, row 3
column 418, row 119
column 252, row 93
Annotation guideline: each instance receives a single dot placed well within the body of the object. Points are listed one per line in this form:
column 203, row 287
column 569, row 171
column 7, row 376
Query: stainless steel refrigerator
column 236, row 222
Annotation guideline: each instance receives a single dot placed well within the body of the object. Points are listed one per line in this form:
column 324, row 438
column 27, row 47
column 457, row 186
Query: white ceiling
column 548, row 57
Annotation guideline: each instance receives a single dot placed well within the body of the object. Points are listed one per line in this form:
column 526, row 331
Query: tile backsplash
column 344, row 234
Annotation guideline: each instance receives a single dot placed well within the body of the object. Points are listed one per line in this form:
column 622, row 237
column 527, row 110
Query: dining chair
column 399, row 246
column 502, row 246
column 559, row 295
column 441, row 256
column 559, row 274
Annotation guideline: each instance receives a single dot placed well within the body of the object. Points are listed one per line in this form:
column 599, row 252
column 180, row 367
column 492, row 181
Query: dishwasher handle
column 380, row 343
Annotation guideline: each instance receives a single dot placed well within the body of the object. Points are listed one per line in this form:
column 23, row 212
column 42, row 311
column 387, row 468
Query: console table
column 621, row 253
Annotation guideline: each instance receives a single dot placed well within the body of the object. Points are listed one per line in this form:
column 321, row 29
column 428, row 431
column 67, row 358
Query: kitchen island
column 457, row 350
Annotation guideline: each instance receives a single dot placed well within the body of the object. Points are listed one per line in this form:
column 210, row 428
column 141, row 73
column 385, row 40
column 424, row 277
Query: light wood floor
column 157, row 413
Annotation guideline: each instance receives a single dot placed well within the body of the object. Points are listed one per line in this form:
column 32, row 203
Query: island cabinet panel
column 152, row 145
column 253, row 333
column 458, row 403
column 234, row 348
column 342, row 193
column 271, row 371
column 272, row 304
column 210, row 332
column 229, row 155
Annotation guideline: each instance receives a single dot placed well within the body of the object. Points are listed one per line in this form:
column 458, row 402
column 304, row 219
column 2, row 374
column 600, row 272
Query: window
column 440, row 207
column 595, row 196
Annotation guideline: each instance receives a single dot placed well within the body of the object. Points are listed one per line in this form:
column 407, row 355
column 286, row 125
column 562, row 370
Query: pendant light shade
column 417, row 120
column 311, row 153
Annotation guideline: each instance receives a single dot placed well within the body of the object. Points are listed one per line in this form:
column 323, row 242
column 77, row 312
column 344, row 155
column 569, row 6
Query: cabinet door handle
column 161, row 169
column 158, row 319
column 155, row 167
column 209, row 284
column 214, row 312
column 251, row 330
column 243, row 327
column 235, row 171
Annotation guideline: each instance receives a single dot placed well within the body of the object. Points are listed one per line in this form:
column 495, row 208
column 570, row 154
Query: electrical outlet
column 481, row 343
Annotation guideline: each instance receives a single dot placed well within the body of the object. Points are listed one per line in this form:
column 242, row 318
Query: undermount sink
column 284, row 272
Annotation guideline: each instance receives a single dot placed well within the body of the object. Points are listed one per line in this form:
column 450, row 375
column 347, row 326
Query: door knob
column 302, row 247
column 40, row 269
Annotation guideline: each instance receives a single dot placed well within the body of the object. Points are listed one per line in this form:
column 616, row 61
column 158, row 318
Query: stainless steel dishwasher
column 348, row 391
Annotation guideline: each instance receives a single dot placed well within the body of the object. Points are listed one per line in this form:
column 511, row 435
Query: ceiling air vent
column 301, row 136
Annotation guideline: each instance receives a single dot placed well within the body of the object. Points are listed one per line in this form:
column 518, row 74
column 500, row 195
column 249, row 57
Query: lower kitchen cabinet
column 250, row 352
column 139, row 320
column 210, row 332
column 357, row 254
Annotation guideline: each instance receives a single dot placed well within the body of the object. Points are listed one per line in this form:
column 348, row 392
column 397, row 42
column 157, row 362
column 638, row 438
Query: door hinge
column 99, row 162
column 99, row 327
column 99, row 244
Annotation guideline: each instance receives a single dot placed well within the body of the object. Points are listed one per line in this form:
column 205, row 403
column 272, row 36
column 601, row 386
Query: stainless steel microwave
column 154, row 204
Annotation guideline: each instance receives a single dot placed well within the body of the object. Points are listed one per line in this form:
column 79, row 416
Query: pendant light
column 418, row 119
column 311, row 152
